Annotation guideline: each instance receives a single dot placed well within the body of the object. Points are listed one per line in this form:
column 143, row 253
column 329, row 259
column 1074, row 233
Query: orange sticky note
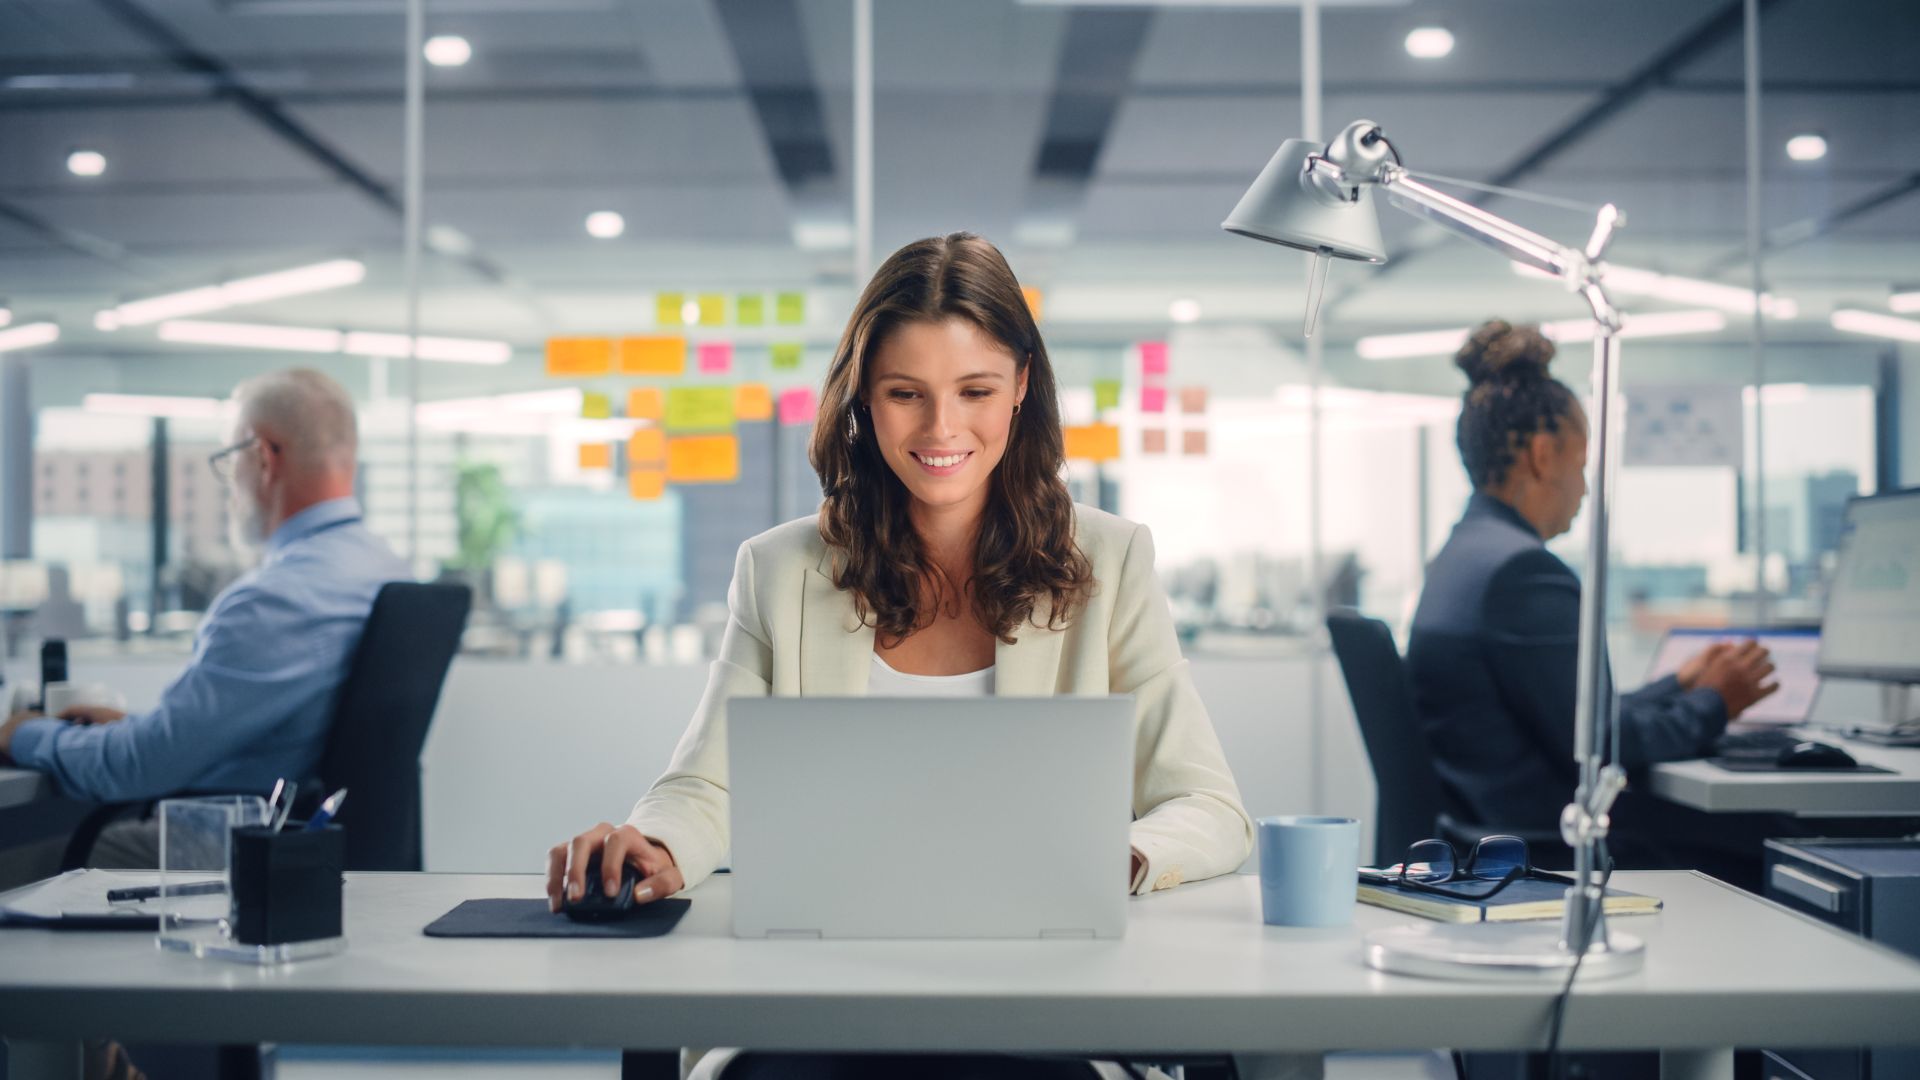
column 646, row 484
column 1033, row 300
column 753, row 401
column 596, row 455
column 653, row 356
column 575, row 357
column 1193, row 399
column 703, row 459
column 1092, row 442
column 648, row 446
column 646, row 403
column 1193, row 442
column 1153, row 440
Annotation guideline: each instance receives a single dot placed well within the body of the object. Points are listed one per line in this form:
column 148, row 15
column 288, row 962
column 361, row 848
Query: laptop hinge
column 795, row 935
column 1086, row 935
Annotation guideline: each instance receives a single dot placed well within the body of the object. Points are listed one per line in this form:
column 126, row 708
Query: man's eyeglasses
column 222, row 461
column 1429, row 864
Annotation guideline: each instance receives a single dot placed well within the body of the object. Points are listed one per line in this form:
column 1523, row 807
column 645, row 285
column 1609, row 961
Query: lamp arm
column 1468, row 220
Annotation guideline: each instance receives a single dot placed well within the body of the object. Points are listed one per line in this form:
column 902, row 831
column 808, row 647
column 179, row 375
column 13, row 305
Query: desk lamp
column 1319, row 199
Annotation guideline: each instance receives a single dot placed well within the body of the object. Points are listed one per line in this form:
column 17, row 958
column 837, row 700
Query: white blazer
column 792, row 633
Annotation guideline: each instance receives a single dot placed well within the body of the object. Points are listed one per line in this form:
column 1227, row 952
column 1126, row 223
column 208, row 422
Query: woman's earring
column 1016, row 408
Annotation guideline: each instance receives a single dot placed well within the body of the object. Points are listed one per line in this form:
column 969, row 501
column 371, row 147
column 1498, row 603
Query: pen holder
column 286, row 885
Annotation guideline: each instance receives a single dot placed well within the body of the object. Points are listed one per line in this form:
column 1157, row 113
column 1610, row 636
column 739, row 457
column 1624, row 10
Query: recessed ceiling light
column 86, row 163
column 1807, row 147
column 690, row 312
column 605, row 224
column 1184, row 310
column 447, row 50
column 1429, row 42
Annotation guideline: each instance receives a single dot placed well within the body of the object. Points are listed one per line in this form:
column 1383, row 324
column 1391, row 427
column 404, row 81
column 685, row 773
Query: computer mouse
column 594, row 904
column 1815, row 755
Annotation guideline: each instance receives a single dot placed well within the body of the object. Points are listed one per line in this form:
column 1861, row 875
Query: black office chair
column 380, row 721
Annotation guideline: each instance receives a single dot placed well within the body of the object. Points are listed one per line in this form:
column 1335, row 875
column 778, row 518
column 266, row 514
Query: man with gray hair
column 255, row 702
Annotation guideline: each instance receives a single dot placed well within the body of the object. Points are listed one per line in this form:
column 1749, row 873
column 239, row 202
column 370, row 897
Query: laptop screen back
column 1794, row 654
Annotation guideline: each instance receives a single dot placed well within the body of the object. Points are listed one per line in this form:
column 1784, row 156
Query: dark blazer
column 1492, row 656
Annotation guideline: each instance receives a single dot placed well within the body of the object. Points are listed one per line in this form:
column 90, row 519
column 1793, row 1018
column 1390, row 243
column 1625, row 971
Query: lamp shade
column 1281, row 209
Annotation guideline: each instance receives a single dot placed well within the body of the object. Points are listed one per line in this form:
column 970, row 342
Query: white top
column 883, row 681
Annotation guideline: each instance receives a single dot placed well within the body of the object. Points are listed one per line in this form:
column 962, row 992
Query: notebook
column 1527, row 898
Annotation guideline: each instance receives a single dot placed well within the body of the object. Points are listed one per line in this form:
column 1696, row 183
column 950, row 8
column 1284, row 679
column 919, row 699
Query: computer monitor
column 1873, row 603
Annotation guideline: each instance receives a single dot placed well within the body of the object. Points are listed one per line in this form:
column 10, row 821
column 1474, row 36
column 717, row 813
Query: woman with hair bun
column 1495, row 640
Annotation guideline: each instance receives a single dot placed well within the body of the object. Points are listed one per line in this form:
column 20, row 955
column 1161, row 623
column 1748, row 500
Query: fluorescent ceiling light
column 690, row 312
column 1807, row 147
column 1184, row 310
column 251, row 336
column 1429, row 43
column 605, row 224
column 1874, row 324
column 822, row 235
column 86, row 163
column 193, row 408
column 1906, row 303
column 447, row 50
column 247, row 290
column 449, row 350
column 29, row 335
column 1629, row 281
column 565, row 401
column 1447, row 342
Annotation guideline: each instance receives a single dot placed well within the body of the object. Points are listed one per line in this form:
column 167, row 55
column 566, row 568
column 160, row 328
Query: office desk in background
column 1196, row 973
column 19, row 787
column 1705, row 786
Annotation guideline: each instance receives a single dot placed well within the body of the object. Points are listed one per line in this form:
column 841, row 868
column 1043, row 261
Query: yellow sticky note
column 575, row 357
column 668, row 308
column 596, row 455
column 713, row 309
column 1033, row 300
column 786, row 354
column 700, row 408
column 646, row 484
column 790, row 308
column 648, row 446
column 750, row 309
column 595, row 406
column 753, row 401
column 1092, row 442
column 653, row 356
column 645, row 403
column 703, row 459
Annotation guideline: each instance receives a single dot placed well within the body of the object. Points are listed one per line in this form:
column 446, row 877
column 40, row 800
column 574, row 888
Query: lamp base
column 1498, row 952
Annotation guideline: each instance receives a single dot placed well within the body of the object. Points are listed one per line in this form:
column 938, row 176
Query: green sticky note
column 1106, row 393
column 786, row 354
column 790, row 308
column 699, row 408
column 713, row 309
column 595, row 406
column 750, row 309
column 667, row 307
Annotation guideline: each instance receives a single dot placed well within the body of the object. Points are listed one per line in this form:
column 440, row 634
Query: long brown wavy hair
column 1025, row 548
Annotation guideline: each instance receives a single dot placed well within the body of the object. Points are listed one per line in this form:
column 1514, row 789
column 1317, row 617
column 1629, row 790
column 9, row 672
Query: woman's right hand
column 618, row 848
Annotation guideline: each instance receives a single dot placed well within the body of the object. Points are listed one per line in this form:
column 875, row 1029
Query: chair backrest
column 1410, row 798
column 380, row 720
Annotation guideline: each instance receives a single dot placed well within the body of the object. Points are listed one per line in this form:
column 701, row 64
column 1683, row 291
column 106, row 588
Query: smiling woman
column 939, row 427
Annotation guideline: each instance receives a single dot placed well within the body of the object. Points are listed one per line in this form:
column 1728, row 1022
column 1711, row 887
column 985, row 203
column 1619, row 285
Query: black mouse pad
column 531, row 919
column 1745, row 765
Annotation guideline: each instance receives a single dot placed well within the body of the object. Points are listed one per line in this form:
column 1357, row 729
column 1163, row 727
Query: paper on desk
column 80, row 892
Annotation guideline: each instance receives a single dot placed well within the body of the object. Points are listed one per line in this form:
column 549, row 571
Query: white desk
column 1196, row 973
column 18, row 787
column 1705, row 786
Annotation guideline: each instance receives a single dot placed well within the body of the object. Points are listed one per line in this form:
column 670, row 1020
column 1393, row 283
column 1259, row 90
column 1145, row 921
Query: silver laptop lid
column 930, row 818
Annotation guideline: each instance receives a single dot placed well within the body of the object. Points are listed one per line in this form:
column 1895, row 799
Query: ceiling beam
column 769, row 48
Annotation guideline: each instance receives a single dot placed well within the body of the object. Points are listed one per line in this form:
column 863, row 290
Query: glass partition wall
column 639, row 240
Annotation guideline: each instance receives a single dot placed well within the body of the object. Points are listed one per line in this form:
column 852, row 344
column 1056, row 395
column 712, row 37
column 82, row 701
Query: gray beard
column 246, row 527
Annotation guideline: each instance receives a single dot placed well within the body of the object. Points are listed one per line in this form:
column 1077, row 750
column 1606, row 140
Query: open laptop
column 1795, row 651
column 930, row 818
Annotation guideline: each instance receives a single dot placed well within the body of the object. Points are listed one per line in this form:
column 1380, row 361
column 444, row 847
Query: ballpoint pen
column 327, row 809
column 152, row 892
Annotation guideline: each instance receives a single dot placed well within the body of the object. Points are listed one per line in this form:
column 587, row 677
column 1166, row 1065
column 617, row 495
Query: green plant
column 484, row 510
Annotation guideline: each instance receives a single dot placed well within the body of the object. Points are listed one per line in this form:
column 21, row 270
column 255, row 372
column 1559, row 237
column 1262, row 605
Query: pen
column 152, row 892
column 286, row 808
column 327, row 809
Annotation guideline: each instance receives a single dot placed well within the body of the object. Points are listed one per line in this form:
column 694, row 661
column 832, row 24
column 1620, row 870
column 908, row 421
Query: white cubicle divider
column 524, row 754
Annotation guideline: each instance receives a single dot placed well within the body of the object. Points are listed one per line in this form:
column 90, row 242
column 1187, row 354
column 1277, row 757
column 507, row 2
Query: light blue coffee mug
column 1307, row 867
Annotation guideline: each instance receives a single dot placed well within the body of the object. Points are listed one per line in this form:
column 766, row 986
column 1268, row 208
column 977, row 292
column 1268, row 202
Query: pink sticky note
column 1153, row 358
column 1153, row 399
column 797, row 406
column 716, row 357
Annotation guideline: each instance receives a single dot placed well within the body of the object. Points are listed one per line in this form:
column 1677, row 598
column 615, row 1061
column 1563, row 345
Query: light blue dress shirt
column 255, row 702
